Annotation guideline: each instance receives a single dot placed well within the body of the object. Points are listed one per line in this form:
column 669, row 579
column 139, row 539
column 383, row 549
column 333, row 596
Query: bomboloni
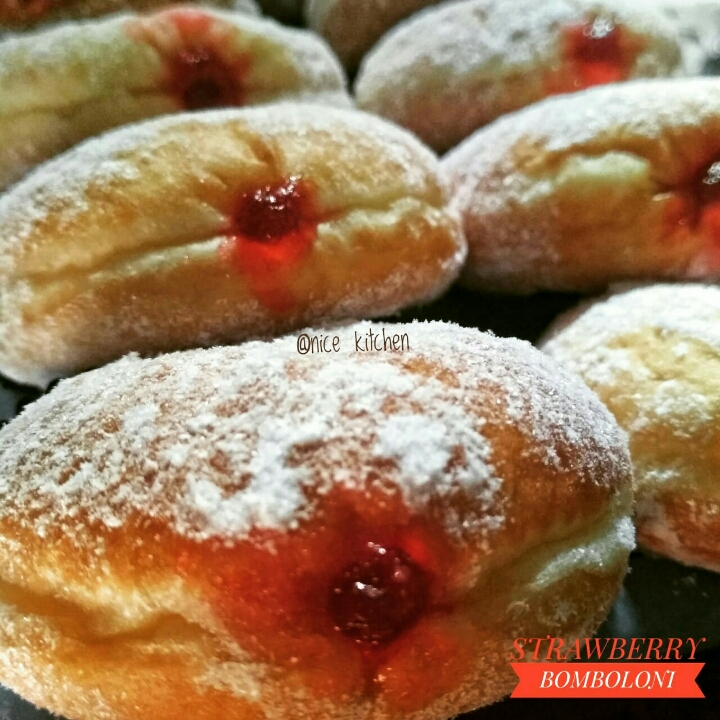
column 214, row 227
column 653, row 357
column 255, row 533
column 80, row 79
column 616, row 183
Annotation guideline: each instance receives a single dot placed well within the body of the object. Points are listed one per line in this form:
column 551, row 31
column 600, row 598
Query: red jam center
column 596, row 42
column 272, row 212
column 345, row 617
column 699, row 206
column 271, row 231
column 377, row 598
column 710, row 186
column 595, row 52
column 694, row 209
column 201, row 79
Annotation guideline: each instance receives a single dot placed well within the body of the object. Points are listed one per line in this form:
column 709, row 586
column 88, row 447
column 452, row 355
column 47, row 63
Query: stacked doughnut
column 195, row 229
column 352, row 27
column 254, row 533
column 77, row 80
column 653, row 357
column 615, row 183
column 452, row 69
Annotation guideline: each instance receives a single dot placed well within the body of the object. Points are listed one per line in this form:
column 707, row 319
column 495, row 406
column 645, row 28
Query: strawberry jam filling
column 378, row 596
column 595, row 52
column 202, row 67
column 355, row 602
column 272, row 230
column 201, row 79
column 694, row 210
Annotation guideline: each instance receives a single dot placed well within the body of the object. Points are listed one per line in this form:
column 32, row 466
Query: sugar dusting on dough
column 683, row 311
column 75, row 62
column 653, row 354
column 78, row 79
column 602, row 549
column 226, row 441
column 63, row 182
column 643, row 109
column 598, row 346
column 494, row 41
column 503, row 176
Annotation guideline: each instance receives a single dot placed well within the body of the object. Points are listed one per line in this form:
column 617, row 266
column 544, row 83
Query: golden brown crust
column 123, row 245
column 580, row 191
column 191, row 511
column 653, row 357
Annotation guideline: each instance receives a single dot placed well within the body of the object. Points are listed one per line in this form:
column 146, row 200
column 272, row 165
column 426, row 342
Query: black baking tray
column 660, row 598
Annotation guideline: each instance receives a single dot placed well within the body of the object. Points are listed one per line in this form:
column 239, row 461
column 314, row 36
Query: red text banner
column 607, row 680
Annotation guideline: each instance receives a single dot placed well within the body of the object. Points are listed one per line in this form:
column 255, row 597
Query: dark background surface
column 660, row 598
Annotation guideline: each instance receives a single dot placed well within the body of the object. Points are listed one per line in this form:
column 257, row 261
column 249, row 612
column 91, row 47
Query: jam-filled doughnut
column 255, row 533
column 653, row 357
column 352, row 27
column 22, row 14
column 62, row 85
column 454, row 68
column 211, row 227
column 615, row 183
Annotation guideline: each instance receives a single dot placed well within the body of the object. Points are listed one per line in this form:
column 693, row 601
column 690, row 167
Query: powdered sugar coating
column 698, row 22
column 644, row 111
column 75, row 62
column 450, row 69
column 682, row 311
column 600, row 347
column 615, row 148
column 64, row 181
column 171, row 186
column 216, row 442
column 79, row 79
column 653, row 356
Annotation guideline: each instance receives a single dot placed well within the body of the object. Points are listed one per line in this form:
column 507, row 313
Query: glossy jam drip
column 272, row 212
column 201, row 79
column 271, row 231
column 693, row 210
column 378, row 597
column 275, row 594
column 595, row 52
column 201, row 67
column 709, row 195
column 710, row 187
